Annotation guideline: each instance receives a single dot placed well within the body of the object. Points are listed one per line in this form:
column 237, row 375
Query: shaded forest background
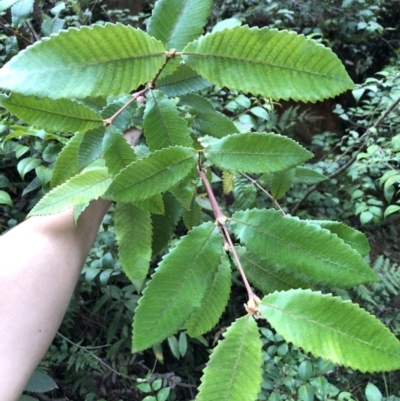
column 90, row 358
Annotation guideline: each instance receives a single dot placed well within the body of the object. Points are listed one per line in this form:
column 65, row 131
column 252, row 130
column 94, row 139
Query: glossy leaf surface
column 177, row 287
column 204, row 318
column 57, row 115
column 234, row 370
column 133, row 230
column 306, row 251
column 274, row 64
column 82, row 188
column 152, row 175
column 333, row 329
column 163, row 127
column 91, row 61
column 256, row 153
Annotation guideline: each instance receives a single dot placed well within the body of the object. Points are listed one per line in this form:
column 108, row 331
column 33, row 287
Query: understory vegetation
column 347, row 142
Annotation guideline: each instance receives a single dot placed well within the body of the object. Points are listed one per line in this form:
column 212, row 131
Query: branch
column 220, row 220
column 94, row 356
column 109, row 121
column 366, row 136
column 273, row 200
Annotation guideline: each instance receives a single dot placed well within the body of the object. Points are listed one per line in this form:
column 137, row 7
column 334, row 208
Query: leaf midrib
column 69, row 67
column 45, row 111
column 265, row 63
column 328, row 261
column 311, row 321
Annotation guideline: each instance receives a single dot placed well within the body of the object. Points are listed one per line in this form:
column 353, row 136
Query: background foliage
column 91, row 358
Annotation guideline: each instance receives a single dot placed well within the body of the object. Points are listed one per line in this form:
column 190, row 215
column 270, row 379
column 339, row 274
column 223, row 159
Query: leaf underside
column 133, row 230
column 207, row 120
column 204, row 318
column 91, row 61
column 79, row 152
column 178, row 22
column 163, row 127
column 177, row 287
column 309, row 252
column 274, row 64
column 82, row 188
column 182, row 81
column 234, row 370
column 332, row 329
column 57, row 115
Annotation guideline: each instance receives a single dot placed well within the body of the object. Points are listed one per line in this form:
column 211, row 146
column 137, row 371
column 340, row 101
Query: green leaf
column 296, row 247
column 226, row 24
column 163, row 226
column 264, row 275
column 356, row 239
column 178, row 22
column 57, row 115
column 245, row 194
column 192, row 217
column 205, row 317
column 281, row 182
column 20, row 12
column 234, row 370
column 177, row 287
column 124, row 120
column 154, row 204
column 152, row 175
column 40, row 383
column 372, row 393
column 182, row 343
column 81, row 150
column 4, row 4
column 91, row 61
column 163, row 127
column 208, row 121
column 174, row 346
column 308, row 176
column 274, row 64
column 116, row 151
column 82, row 188
column 185, row 190
column 5, row 199
column 333, row 329
column 182, row 81
column 133, row 230
column 256, row 153
column 26, row 165
column 51, row 25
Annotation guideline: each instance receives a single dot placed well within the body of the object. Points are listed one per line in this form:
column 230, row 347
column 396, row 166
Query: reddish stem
column 109, row 121
column 221, row 220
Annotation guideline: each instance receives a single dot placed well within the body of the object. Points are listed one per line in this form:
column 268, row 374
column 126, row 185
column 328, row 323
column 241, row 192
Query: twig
column 273, row 200
column 366, row 136
column 109, row 121
column 220, row 220
column 94, row 356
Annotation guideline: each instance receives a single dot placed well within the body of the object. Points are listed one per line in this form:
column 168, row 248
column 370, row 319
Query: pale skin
column 40, row 263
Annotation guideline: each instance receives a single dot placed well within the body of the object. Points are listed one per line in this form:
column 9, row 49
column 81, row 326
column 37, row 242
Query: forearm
column 40, row 263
